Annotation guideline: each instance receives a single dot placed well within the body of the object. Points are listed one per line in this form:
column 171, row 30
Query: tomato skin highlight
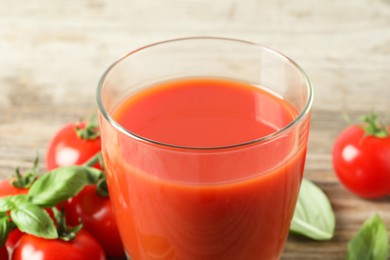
column 98, row 219
column 82, row 247
column 362, row 162
column 67, row 148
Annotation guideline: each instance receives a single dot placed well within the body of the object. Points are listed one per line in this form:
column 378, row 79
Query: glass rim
column 301, row 115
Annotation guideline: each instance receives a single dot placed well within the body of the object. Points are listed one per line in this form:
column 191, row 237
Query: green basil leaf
column 5, row 204
column 313, row 216
column 5, row 228
column 9, row 202
column 371, row 242
column 34, row 220
column 61, row 184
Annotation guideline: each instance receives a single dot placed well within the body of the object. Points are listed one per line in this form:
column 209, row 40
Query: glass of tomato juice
column 204, row 143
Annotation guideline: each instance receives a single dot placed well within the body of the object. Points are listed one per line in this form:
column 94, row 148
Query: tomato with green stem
column 19, row 183
column 361, row 158
column 82, row 247
column 71, row 243
column 74, row 144
column 75, row 244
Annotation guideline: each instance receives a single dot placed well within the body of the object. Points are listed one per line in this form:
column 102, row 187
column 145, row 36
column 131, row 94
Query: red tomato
column 6, row 189
column 98, row 219
column 82, row 247
column 13, row 238
column 3, row 253
column 67, row 148
column 362, row 162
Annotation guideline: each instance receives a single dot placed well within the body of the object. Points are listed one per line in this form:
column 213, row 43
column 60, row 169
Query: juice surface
column 203, row 113
column 183, row 203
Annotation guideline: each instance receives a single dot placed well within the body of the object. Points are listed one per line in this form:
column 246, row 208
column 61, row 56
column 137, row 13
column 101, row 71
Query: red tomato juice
column 204, row 194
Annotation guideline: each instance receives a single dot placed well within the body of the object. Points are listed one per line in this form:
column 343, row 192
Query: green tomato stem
column 93, row 160
column 90, row 131
column 374, row 127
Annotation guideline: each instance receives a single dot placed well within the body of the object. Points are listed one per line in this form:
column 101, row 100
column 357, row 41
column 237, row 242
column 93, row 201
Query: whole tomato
column 74, row 144
column 96, row 214
column 82, row 247
column 361, row 158
column 3, row 253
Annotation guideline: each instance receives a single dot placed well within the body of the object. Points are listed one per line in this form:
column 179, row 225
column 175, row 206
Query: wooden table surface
column 52, row 54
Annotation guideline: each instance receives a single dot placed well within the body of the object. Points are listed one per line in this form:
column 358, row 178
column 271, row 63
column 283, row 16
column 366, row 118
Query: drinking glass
column 229, row 201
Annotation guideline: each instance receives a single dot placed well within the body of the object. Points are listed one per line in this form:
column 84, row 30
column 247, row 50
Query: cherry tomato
column 98, row 219
column 3, row 253
column 6, row 189
column 361, row 159
column 69, row 147
column 82, row 247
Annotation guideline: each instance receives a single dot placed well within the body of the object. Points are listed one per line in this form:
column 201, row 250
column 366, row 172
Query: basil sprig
column 371, row 242
column 313, row 216
column 27, row 211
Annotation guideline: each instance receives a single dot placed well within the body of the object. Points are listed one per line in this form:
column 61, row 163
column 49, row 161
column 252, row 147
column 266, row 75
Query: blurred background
column 52, row 54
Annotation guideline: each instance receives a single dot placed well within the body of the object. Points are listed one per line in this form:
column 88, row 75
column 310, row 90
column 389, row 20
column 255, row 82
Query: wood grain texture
column 52, row 54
